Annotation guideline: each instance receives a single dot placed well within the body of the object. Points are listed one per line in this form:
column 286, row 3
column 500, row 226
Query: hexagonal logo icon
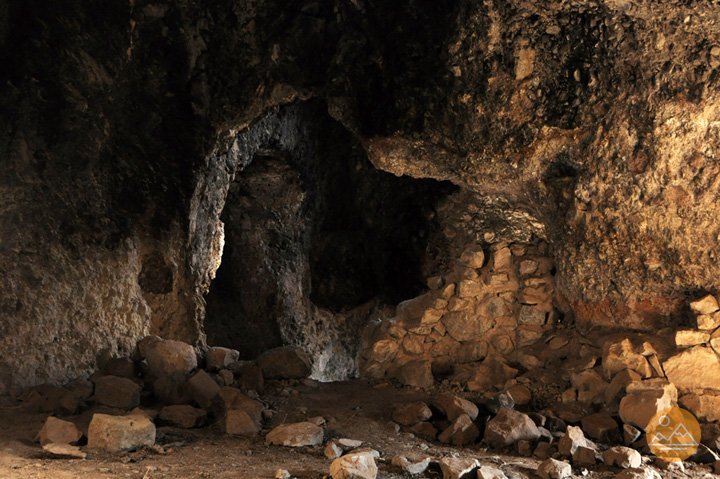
column 673, row 434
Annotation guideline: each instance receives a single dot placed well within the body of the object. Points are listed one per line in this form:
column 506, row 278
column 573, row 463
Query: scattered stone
column 296, row 435
column 619, row 384
column 229, row 398
column 544, row 450
column 462, row 431
column 524, row 448
column 183, row 416
column 674, row 466
column 590, row 386
column 412, row 413
column 239, row 422
column 333, row 450
column 166, row 357
column 454, row 406
column 584, row 456
column 630, row 434
column 416, row 373
column 622, row 456
column 117, row 392
column 411, row 467
column 639, row 406
column 489, row 374
column 248, row 376
column 508, row 427
column 59, row 432
column 620, row 356
column 705, row 406
column 424, row 430
column 708, row 321
column 573, row 439
column 706, row 305
column 218, row 358
column 287, row 362
column 638, row 473
column 203, row 389
column 317, row 420
column 354, row 465
column 120, row 433
column 554, row 469
column 690, row 337
column 227, row 376
column 435, row 283
column 282, row 474
column 64, row 451
column 499, row 401
column 520, row 394
column 490, row 472
column 599, row 426
column 458, row 467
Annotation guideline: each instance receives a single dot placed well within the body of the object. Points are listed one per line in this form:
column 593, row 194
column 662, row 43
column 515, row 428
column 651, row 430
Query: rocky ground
column 358, row 409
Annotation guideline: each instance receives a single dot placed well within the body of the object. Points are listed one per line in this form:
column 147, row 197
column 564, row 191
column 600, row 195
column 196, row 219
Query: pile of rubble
column 176, row 387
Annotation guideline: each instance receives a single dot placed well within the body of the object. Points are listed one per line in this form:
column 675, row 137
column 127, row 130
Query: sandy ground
column 355, row 409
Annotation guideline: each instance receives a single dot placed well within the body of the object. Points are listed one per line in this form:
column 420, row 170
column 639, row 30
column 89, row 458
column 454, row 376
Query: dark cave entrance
column 315, row 226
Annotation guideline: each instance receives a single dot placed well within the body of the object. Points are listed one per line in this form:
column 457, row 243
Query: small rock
column 674, row 466
column 639, row 407
column 120, row 433
column 412, row 413
column 622, row 456
column 287, row 362
column 454, row 406
column 708, row 322
column 121, row 367
column 508, row 427
column 706, row 305
column 630, row 434
column 458, row 467
column 424, row 430
column 317, row 420
column 296, row 435
column 227, row 376
column 638, row 473
column 622, row 355
column 219, row 358
column 117, row 392
column 167, row 357
column 239, row 422
column 282, row 474
column 411, row 467
column 354, row 465
column 554, row 469
column 416, row 373
column 64, row 451
column 690, row 337
column 183, row 416
column 59, row 432
column 520, row 394
column 499, row 401
column 599, row 425
column 490, row 472
column 619, row 383
column 572, row 439
column 248, row 376
column 584, row 456
column 544, row 450
column 462, row 431
column 524, row 448
column 333, row 450
column 203, row 389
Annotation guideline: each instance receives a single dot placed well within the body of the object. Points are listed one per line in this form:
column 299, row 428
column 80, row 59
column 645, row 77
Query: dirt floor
column 355, row 409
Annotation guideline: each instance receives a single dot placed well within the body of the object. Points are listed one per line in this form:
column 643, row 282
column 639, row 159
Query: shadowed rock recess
column 401, row 189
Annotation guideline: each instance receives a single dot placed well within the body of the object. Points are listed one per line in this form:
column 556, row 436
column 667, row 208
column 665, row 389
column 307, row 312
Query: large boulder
column 695, row 368
column 509, row 427
column 120, row 433
column 287, row 362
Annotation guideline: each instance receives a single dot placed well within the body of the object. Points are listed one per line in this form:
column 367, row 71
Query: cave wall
column 597, row 120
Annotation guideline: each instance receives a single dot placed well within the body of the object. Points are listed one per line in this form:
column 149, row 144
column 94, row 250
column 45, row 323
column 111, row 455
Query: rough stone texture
column 287, row 362
column 704, row 405
column 117, row 392
column 599, row 425
column 458, row 467
column 410, row 414
column 65, row 451
column 554, row 469
column 622, row 456
column 58, row 431
column 296, row 435
column 183, row 416
column 698, row 367
column 240, row 422
column 462, row 431
column 453, row 406
column 638, row 408
column 355, row 465
column 571, row 441
column 508, row 427
column 590, row 124
column 167, row 358
column 120, row 433
column 203, row 389
column 217, row 358
column 409, row 466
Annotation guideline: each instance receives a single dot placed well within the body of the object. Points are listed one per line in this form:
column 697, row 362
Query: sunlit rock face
column 594, row 125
